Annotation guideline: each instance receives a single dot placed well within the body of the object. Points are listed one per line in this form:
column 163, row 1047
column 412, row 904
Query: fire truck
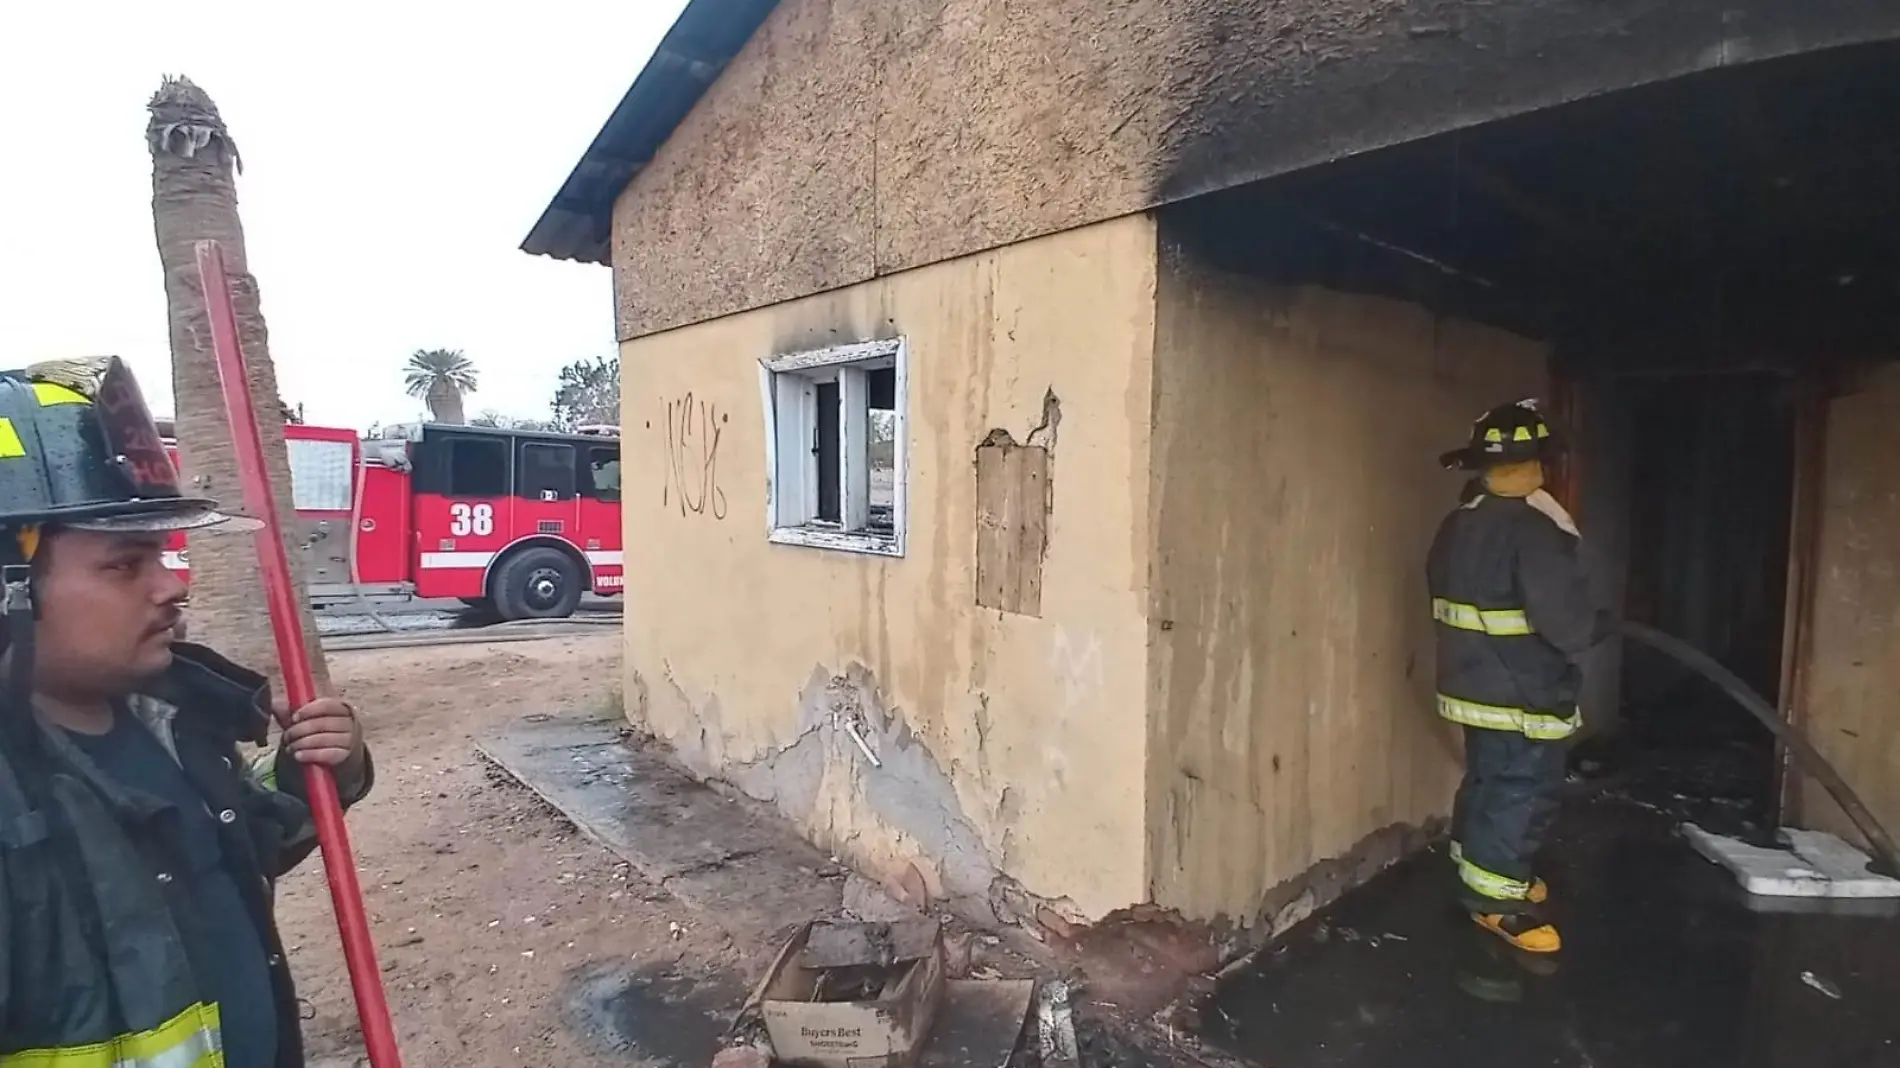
column 522, row 522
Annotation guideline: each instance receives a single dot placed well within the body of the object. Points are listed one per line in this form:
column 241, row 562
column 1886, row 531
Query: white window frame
column 788, row 392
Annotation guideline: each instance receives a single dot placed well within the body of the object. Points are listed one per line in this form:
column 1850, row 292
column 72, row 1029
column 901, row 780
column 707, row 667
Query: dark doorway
column 1710, row 491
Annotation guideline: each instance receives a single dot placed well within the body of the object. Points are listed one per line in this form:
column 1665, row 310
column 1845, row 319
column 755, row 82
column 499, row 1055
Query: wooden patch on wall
column 1012, row 523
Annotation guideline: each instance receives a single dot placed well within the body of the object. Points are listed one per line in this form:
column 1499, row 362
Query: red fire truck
column 520, row 521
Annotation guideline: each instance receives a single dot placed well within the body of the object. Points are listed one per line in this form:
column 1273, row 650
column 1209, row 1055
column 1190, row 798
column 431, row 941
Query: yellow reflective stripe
column 1472, row 714
column 51, row 393
column 187, row 1040
column 1543, row 727
column 1462, row 616
column 1501, row 622
column 1490, row 883
column 10, row 440
column 191, row 1039
column 1506, row 622
column 1537, row 726
column 1522, row 433
column 263, row 768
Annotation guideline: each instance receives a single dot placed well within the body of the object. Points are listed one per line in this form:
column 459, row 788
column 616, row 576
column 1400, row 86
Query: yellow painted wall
column 1296, row 436
column 1013, row 743
column 1849, row 709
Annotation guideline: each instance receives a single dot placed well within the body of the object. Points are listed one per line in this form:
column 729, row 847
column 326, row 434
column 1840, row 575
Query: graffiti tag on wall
column 693, row 428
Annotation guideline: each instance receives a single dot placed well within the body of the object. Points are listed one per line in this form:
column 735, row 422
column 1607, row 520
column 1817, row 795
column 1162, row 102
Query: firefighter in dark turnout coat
column 1513, row 618
column 138, row 841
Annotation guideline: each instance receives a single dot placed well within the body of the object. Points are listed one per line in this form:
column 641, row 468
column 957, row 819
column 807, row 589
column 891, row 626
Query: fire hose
column 1809, row 758
column 339, row 865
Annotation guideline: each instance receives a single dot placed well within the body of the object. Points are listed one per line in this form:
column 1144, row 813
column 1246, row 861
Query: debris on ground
column 1055, row 1022
column 1823, row 985
column 746, row 1056
column 879, row 994
column 1812, row 864
column 834, row 944
column 849, row 994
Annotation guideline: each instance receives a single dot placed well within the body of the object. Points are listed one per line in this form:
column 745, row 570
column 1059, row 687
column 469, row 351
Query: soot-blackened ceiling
column 1750, row 208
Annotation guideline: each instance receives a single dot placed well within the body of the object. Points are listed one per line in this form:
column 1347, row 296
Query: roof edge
column 577, row 224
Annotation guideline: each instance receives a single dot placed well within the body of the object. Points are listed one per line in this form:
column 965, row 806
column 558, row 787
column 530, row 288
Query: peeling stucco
column 907, row 796
column 1015, row 496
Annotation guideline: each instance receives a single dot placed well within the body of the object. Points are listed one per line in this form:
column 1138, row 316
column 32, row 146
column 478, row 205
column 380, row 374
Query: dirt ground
column 488, row 909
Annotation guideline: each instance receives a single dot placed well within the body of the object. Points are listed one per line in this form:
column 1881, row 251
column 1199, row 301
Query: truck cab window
column 478, row 467
column 547, row 472
column 602, row 481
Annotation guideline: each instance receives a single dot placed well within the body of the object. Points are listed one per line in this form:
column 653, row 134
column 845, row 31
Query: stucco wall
column 1011, row 744
column 1849, row 708
column 1295, row 444
column 853, row 138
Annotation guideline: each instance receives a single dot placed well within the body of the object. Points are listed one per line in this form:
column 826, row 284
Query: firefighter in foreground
column 1513, row 617
column 137, row 842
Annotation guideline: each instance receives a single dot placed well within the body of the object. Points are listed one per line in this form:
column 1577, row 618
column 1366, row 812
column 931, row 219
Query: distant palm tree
column 440, row 377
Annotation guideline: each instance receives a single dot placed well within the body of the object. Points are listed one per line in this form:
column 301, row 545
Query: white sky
column 395, row 155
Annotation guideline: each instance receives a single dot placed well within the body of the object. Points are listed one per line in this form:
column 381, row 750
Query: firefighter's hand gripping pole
column 359, row 952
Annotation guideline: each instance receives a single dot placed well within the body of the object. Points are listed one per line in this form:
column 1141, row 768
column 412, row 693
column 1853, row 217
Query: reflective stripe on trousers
column 1500, row 622
column 1488, row 883
column 1537, row 726
column 190, row 1039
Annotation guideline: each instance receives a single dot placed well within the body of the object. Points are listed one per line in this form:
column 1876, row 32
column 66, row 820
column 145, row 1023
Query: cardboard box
column 854, row 995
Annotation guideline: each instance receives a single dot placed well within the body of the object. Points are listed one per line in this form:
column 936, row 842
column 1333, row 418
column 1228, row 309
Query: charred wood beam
column 1513, row 199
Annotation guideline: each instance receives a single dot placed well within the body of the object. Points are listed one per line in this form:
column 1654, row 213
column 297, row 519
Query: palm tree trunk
column 194, row 198
column 445, row 403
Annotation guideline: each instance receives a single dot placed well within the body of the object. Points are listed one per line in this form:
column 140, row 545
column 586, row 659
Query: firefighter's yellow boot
column 1524, row 932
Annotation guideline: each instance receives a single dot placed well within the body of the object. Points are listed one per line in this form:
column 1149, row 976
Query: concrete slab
column 713, row 852
column 1815, row 865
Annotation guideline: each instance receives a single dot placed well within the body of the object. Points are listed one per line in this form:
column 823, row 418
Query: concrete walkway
column 712, row 852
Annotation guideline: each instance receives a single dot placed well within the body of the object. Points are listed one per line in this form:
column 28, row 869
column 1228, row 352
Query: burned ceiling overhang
column 1274, row 91
column 1739, row 211
column 1251, row 89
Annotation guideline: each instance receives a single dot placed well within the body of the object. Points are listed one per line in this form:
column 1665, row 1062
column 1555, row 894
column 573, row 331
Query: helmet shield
column 78, row 447
column 1507, row 434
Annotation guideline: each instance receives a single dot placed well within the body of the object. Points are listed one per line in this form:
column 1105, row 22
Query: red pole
column 359, row 952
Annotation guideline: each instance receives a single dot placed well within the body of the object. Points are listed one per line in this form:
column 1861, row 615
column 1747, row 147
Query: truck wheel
column 538, row 584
